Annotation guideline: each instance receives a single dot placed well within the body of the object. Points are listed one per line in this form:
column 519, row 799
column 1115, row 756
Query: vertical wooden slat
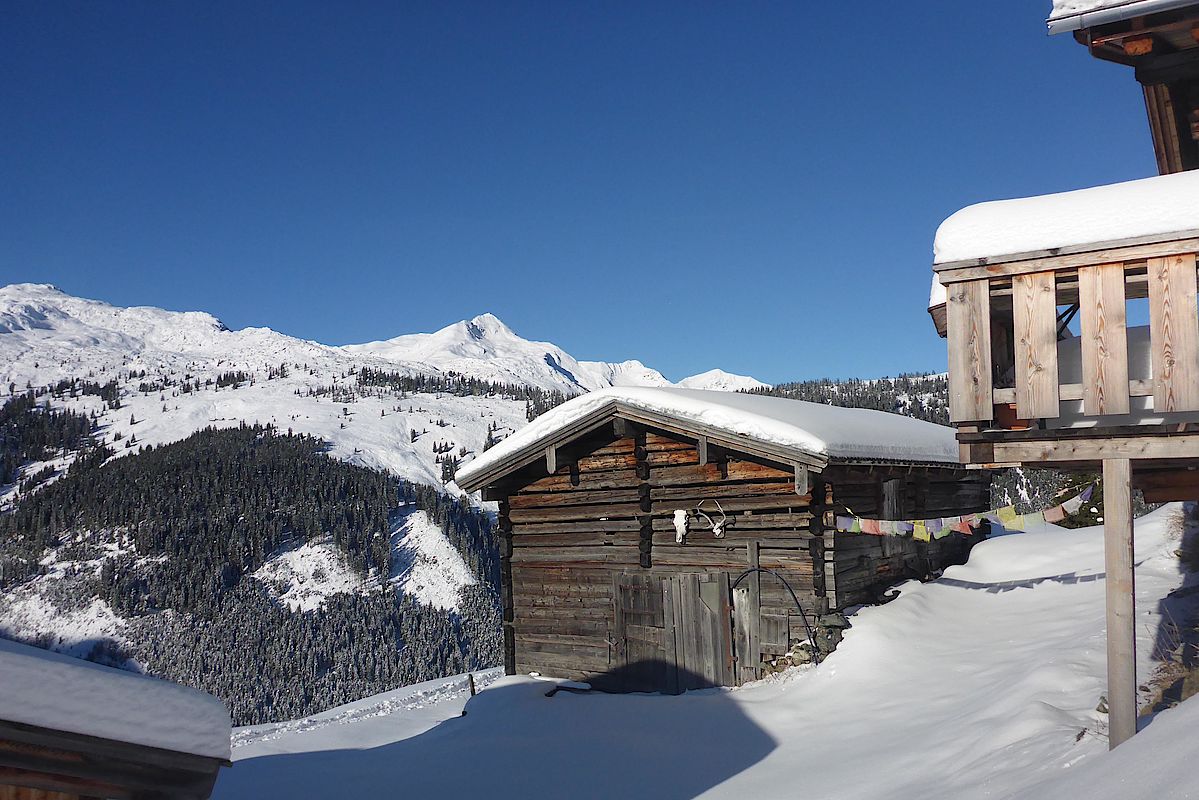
column 1174, row 331
column 753, row 658
column 1104, row 340
column 1121, row 622
column 724, row 631
column 968, row 317
column 670, row 645
column 1034, row 306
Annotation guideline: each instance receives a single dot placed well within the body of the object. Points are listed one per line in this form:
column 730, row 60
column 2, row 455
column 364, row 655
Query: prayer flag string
column 923, row 530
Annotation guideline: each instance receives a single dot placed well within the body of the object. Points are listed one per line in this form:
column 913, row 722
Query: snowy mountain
column 721, row 381
column 48, row 336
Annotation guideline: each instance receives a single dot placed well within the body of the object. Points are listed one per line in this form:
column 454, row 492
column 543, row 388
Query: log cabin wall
column 608, row 509
column 865, row 565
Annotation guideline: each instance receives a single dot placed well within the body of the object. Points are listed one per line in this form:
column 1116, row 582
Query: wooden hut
column 603, row 581
column 1159, row 40
column 71, row 730
column 1010, row 276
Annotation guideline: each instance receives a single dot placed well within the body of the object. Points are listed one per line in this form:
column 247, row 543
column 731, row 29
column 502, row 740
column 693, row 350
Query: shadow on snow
column 516, row 742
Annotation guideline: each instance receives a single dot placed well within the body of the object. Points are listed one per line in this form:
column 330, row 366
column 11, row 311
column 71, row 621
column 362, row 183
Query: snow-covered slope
column 982, row 684
column 721, row 381
column 425, row 564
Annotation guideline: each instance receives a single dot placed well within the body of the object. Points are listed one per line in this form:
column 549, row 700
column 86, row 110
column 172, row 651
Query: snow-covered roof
column 1161, row 208
column 811, row 431
column 1072, row 15
column 50, row 690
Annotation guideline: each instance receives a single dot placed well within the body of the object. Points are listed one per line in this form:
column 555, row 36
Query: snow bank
column 810, row 428
column 1157, row 206
column 1159, row 762
column 55, row 691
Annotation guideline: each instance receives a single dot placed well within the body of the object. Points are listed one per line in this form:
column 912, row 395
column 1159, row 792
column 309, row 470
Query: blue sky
column 753, row 186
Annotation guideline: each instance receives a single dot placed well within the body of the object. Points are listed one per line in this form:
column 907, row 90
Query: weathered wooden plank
column 782, row 488
column 754, row 582
column 1104, row 342
column 712, row 473
column 598, row 556
column 747, row 524
column 730, row 559
column 1076, row 391
column 951, row 273
column 733, row 503
column 1035, row 331
column 539, row 528
column 580, row 539
column 797, row 541
column 1174, row 333
column 969, row 318
column 606, row 511
column 573, row 498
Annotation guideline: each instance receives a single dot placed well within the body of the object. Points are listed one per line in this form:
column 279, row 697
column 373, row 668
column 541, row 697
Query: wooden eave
column 1128, row 251
column 616, row 409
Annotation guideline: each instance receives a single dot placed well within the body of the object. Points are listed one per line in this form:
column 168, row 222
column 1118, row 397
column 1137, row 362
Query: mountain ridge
column 48, row 325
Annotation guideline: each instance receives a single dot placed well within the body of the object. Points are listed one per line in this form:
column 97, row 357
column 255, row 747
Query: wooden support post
column 1121, row 629
column 507, row 606
column 701, row 445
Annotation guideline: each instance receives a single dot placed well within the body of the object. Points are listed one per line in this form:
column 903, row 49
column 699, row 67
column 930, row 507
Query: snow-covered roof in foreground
column 1157, row 207
column 1071, row 15
column 811, row 429
column 50, row 690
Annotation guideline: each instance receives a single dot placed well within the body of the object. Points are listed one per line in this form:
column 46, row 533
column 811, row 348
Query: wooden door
column 644, row 636
column 671, row 633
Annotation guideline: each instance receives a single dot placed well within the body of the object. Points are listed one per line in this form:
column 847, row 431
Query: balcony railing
column 1005, row 336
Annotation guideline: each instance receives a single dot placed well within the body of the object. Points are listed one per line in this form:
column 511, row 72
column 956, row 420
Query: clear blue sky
column 753, row 186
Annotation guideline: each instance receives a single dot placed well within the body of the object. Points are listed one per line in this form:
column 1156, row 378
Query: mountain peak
column 481, row 326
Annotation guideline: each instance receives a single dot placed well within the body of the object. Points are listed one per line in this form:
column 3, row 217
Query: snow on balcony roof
column 54, row 691
column 1072, row 15
column 1150, row 209
column 810, row 429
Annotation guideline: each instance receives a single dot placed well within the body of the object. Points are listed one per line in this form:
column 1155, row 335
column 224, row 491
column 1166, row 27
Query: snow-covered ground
column 984, row 683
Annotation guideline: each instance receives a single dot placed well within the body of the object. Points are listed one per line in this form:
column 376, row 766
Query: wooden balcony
column 1024, row 390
